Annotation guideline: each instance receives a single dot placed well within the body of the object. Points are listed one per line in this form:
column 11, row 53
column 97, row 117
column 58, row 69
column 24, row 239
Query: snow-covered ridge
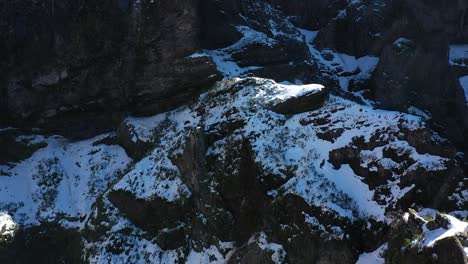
column 455, row 227
column 294, row 148
column 60, row 181
column 284, row 92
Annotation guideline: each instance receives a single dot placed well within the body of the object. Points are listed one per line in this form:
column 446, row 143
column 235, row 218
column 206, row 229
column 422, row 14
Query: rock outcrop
column 227, row 179
column 76, row 68
column 412, row 240
column 216, row 150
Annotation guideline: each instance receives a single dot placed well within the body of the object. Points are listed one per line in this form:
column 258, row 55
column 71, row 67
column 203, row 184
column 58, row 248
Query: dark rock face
column 13, row 150
column 48, row 243
column 78, row 68
column 403, row 235
column 280, row 52
column 304, row 244
column 153, row 216
column 313, row 14
column 412, row 40
column 304, row 103
column 418, row 74
column 251, row 254
column 357, row 29
column 431, row 190
column 74, row 68
column 217, row 18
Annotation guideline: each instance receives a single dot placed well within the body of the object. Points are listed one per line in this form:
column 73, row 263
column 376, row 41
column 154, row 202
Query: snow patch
column 455, row 227
column 7, row 225
column 375, row 257
column 459, row 55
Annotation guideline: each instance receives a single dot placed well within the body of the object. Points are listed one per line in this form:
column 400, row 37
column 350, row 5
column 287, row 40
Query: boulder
column 439, row 221
column 308, row 101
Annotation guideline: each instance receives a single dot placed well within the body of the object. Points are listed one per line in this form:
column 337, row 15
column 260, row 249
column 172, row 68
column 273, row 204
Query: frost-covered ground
column 60, row 181
column 69, row 182
column 65, row 178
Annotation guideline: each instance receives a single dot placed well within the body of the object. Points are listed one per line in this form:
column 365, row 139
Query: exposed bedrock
column 229, row 202
column 412, row 39
column 75, row 68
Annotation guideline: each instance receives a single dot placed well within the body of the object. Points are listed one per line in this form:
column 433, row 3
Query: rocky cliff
column 233, row 131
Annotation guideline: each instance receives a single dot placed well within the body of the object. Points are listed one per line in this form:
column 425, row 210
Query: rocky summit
column 234, row 131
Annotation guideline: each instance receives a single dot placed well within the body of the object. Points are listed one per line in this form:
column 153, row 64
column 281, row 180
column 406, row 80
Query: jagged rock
column 151, row 215
column 414, row 77
column 128, row 139
column 448, row 251
column 14, row 150
column 408, row 243
column 438, row 222
column 291, row 72
column 48, row 243
column 284, row 50
column 74, row 69
column 251, row 254
column 308, row 101
column 340, row 156
column 192, row 162
column 358, row 28
column 161, row 87
column 304, row 240
column 217, row 19
column 242, row 191
column 445, row 251
column 314, row 14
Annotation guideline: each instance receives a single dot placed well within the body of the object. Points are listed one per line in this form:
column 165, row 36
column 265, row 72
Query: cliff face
column 75, row 67
column 234, row 177
column 183, row 131
column 412, row 40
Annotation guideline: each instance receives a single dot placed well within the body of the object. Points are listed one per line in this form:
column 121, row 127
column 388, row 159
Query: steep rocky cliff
column 233, row 131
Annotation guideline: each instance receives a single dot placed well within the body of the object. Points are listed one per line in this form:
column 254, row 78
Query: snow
column 309, row 36
column 289, row 147
column 222, row 57
column 401, row 42
column 66, row 178
column 356, row 68
column 455, row 227
column 458, row 55
column 406, row 217
column 7, row 225
column 156, row 175
column 416, row 111
column 142, row 128
column 280, row 143
column 288, row 91
column 141, row 251
column 197, row 55
column 208, row 255
column 365, row 65
column 375, row 257
column 63, row 178
column 279, row 253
